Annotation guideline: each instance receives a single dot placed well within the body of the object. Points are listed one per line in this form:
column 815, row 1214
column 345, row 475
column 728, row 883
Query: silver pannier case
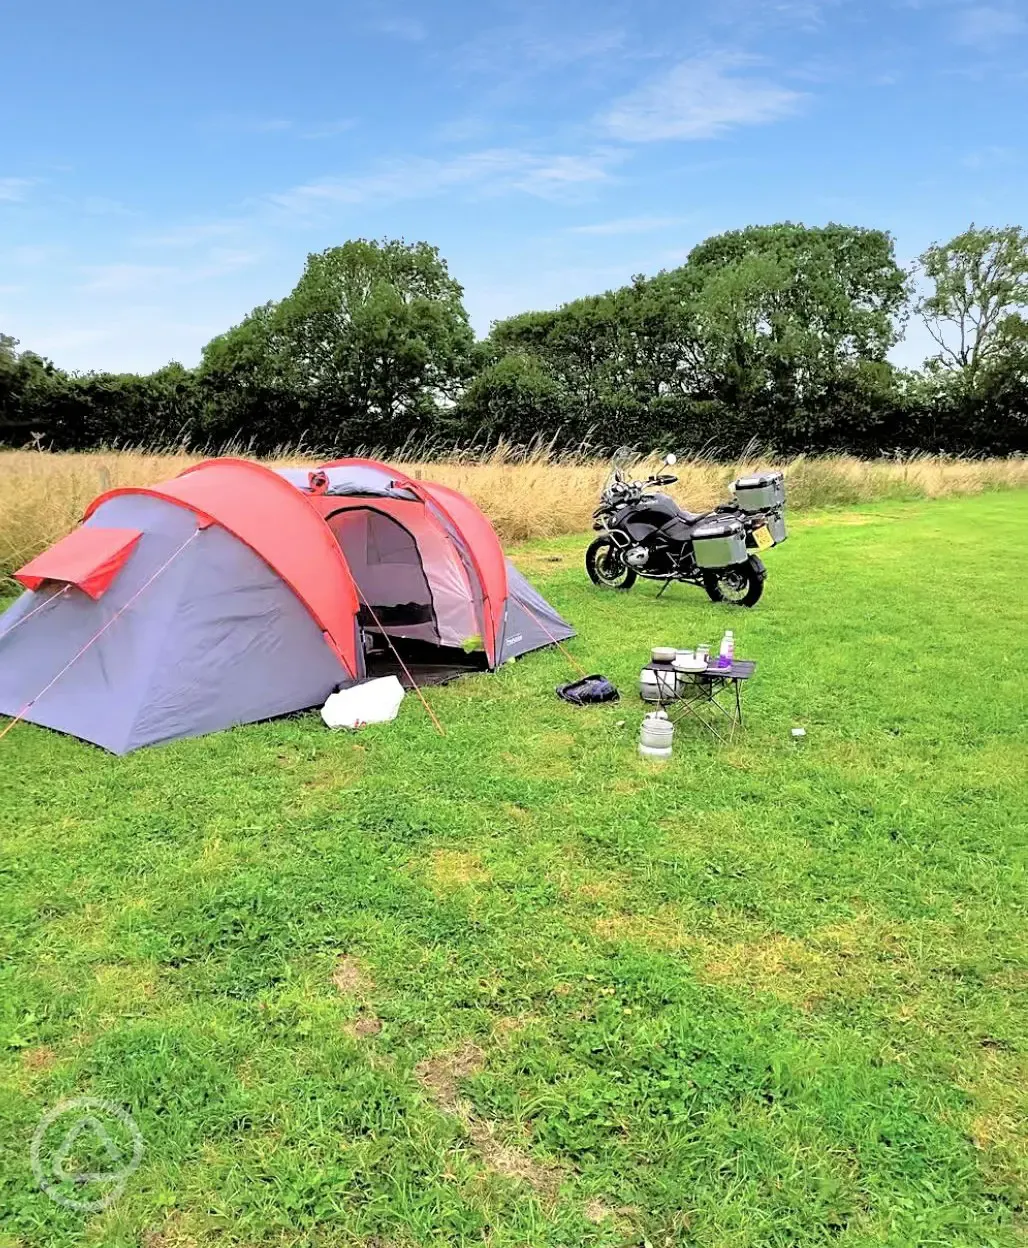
column 760, row 492
column 776, row 526
column 719, row 544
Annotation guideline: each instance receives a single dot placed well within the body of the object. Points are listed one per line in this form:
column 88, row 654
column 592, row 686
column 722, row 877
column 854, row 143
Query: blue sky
column 166, row 167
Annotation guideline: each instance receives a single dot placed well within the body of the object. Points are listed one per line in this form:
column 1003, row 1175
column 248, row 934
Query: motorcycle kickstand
column 665, row 585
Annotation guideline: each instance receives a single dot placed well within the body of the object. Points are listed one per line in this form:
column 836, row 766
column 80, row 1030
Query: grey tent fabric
column 298, row 477
column 216, row 639
column 531, row 622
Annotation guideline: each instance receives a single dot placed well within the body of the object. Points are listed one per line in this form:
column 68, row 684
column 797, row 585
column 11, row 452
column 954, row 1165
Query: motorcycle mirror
column 670, row 460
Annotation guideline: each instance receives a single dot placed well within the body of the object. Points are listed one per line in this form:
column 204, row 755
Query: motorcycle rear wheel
column 739, row 586
column 606, row 567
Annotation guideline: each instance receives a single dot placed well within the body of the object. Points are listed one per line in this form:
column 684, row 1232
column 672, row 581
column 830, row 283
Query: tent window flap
column 89, row 558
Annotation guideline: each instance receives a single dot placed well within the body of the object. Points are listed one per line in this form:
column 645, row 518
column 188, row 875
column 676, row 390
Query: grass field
column 516, row 987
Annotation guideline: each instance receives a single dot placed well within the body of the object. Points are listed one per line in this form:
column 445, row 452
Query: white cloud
column 544, row 46
column 234, row 123
column 546, row 175
column 627, row 225
column 463, row 129
column 408, row 28
column 14, row 190
column 101, row 206
column 699, row 99
column 992, row 156
column 535, row 45
column 123, row 278
column 191, row 235
column 985, row 26
column 329, row 129
column 33, row 255
column 487, row 172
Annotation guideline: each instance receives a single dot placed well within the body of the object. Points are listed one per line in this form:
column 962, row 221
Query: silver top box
column 760, row 492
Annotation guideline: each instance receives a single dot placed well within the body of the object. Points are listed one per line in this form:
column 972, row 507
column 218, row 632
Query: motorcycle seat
column 689, row 517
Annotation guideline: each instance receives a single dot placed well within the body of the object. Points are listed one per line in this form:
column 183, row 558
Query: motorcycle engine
column 637, row 556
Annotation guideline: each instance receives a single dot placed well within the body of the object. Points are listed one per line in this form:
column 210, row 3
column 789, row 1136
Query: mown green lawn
column 517, row 987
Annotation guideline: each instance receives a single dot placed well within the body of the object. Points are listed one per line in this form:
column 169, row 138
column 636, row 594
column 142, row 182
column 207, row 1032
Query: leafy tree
column 248, row 387
column 371, row 342
column 977, row 310
column 515, row 397
column 26, row 382
column 158, row 409
column 776, row 333
column 578, row 345
column 58, row 411
column 382, row 334
column 843, row 278
column 793, row 318
column 8, row 379
column 612, row 358
column 762, row 333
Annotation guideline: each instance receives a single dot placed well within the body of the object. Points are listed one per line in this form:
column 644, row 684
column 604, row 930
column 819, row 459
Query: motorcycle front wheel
column 738, row 586
column 606, row 567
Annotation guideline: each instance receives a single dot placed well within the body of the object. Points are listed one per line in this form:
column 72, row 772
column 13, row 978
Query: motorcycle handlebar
column 625, row 489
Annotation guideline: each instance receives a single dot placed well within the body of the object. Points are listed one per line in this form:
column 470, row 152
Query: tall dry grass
column 533, row 493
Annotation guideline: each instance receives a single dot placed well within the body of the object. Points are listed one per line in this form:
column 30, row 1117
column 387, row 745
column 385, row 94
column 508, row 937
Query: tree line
column 776, row 334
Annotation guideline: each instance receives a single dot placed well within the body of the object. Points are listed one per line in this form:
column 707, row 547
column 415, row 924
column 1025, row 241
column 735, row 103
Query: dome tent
column 235, row 592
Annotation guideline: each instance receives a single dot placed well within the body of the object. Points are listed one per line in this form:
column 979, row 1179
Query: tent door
column 386, row 565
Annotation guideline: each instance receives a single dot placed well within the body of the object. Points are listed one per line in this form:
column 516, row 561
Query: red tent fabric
column 89, row 558
column 471, row 528
column 278, row 523
column 480, row 537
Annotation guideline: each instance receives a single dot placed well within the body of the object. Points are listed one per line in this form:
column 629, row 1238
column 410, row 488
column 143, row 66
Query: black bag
column 587, row 690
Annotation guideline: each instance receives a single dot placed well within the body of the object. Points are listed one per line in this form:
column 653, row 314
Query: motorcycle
column 649, row 535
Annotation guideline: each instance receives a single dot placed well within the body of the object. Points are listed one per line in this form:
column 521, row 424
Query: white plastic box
column 370, row 702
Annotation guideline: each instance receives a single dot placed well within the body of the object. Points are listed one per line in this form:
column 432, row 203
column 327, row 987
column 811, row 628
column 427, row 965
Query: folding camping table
column 718, row 689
